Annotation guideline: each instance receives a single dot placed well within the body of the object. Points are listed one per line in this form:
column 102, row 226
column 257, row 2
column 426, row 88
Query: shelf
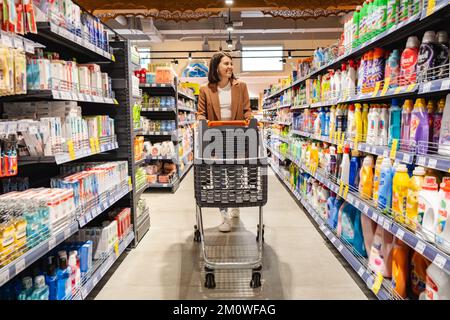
column 275, row 153
column 414, row 24
column 160, row 185
column 141, row 190
column 284, row 139
column 189, row 166
column 66, row 157
column 174, row 136
column 186, row 96
column 384, row 151
column 186, row 123
column 152, row 158
column 185, row 108
column 434, row 162
column 364, row 273
column 166, row 88
column 306, row 106
column 158, row 110
column 139, row 162
column 438, row 257
column 111, row 198
column 28, row 258
column 59, row 95
column 440, row 85
column 97, row 275
column 48, row 32
column 277, row 108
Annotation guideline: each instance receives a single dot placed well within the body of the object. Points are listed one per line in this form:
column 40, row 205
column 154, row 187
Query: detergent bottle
column 358, row 238
column 358, row 123
column 351, row 125
column 373, row 130
column 322, row 200
column 330, row 205
column 406, row 123
column 428, row 206
column 355, row 26
column 354, row 170
column 346, row 221
column 366, row 178
column 383, row 126
column 437, row 120
column 408, row 61
column 442, row 228
column 444, row 134
column 345, row 166
column 368, row 228
column 365, row 120
column 419, row 127
column 385, row 188
column 438, row 284
column 392, row 69
column 334, row 212
column 412, row 201
column 400, row 192
column 339, row 156
column 400, row 268
column 427, row 55
column 380, row 255
column 395, row 119
column 418, row 275
column 376, row 180
column 331, row 168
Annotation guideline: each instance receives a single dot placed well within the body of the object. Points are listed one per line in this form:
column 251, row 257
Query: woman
column 223, row 98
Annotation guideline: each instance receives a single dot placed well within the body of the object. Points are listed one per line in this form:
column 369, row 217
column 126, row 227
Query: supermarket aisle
column 298, row 263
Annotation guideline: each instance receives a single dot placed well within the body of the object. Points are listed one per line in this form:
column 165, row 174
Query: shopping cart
column 230, row 170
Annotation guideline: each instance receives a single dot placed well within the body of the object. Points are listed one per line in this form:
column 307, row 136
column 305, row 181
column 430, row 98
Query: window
column 253, row 58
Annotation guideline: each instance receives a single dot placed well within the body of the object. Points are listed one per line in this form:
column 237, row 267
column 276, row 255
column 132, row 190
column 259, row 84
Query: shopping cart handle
column 235, row 123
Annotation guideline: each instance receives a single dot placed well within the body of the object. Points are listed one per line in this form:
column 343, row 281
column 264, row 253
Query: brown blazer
column 209, row 104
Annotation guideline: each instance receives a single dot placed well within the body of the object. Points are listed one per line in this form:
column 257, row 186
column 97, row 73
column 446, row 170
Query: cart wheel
column 210, row 283
column 256, row 280
column 197, row 237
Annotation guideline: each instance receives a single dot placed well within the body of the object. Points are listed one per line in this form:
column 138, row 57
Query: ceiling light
column 229, row 41
column 283, row 60
column 190, row 56
column 230, row 26
column 175, row 61
column 290, row 54
column 228, row 2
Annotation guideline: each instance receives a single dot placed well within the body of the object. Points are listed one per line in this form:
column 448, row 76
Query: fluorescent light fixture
column 230, row 26
column 229, row 2
column 290, row 54
column 190, row 56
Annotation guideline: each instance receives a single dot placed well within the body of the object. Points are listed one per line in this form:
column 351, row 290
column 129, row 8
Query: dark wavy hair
column 213, row 74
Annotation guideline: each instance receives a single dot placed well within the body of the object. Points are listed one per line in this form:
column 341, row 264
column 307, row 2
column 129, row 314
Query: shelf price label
column 387, row 82
column 116, row 249
column 398, row 90
column 378, row 281
column 445, row 85
column 341, row 188
column 345, row 193
column 394, row 146
column 92, row 144
column 377, row 88
column 411, row 87
column 71, row 149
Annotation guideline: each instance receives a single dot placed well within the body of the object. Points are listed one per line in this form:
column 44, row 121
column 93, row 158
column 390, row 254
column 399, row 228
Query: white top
column 225, row 102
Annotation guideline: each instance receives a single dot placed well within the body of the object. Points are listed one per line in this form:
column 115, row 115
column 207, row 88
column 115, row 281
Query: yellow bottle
column 20, row 235
column 376, row 180
column 414, row 187
column 7, row 246
column 358, row 122
column 365, row 120
column 400, row 186
column 366, row 178
column 314, row 161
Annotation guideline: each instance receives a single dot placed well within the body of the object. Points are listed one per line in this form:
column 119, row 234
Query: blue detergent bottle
column 385, row 185
column 51, row 279
column 395, row 119
column 64, row 285
column 334, row 213
column 330, row 207
column 346, row 223
column 354, row 169
column 358, row 239
column 41, row 291
column 27, row 289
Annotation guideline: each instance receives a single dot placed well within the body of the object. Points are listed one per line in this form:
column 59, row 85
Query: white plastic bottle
column 345, row 166
column 324, row 194
column 438, row 284
column 351, row 78
column 383, row 127
column 444, row 136
column 337, row 83
column 428, row 209
column 351, row 125
column 442, row 227
column 373, row 122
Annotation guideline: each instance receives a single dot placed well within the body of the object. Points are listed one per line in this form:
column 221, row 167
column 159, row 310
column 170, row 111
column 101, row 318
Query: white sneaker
column 225, row 226
column 235, row 212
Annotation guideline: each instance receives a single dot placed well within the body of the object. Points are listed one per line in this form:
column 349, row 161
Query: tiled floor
column 298, row 262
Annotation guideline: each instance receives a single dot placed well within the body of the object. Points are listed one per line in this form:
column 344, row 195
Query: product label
column 425, row 59
column 415, row 122
column 408, row 64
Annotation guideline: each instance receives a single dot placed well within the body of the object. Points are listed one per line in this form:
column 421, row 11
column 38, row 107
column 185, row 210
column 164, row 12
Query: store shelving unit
column 433, row 13
column 156, row 113
column 112, row 148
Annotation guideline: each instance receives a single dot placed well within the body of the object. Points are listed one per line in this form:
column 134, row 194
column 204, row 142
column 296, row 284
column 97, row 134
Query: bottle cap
column 429, row 37
column 27, row 283
column 442, row 37
column 347, row 149
column 355, row 153
column 419, row 171
column 351, row 107
column 401, row 168
column 412, row 42
column 63, row 262
column 429, row 183
column 394, row 102
column 39, row 281
column 446, row 186
column 386, row 162
column 368, row 161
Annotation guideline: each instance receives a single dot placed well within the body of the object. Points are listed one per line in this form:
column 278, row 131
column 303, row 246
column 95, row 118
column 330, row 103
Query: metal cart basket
column 230, row 170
